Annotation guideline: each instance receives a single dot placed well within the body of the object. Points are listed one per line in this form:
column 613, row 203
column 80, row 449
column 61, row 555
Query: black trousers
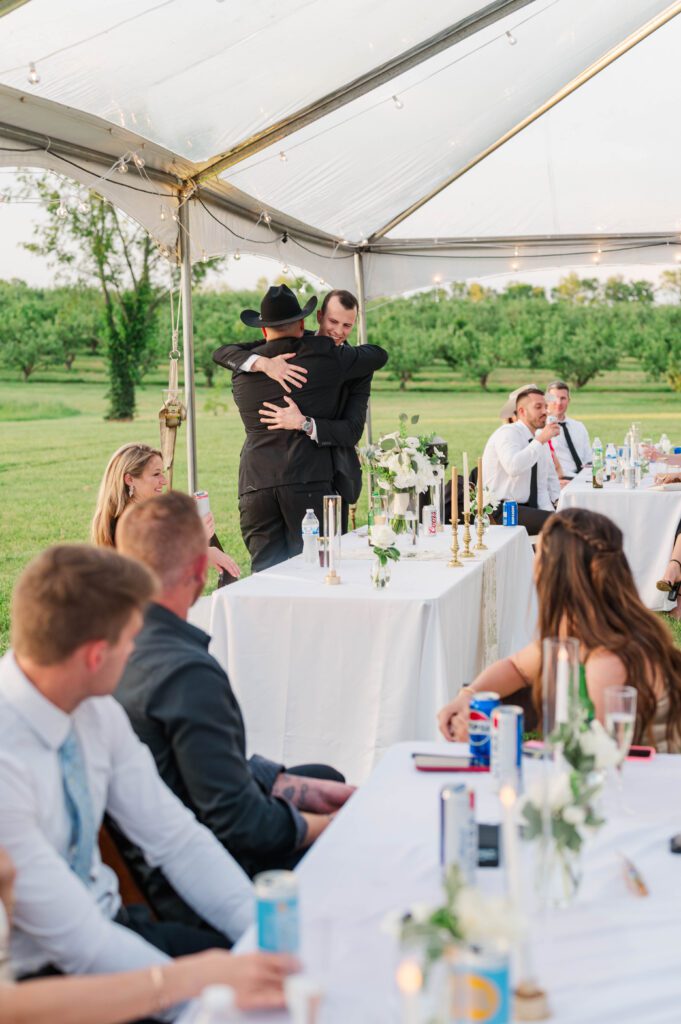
column 271, row 520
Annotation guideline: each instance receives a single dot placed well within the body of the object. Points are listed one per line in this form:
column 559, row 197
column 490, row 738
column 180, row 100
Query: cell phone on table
column 446, row 763
column 640, row 753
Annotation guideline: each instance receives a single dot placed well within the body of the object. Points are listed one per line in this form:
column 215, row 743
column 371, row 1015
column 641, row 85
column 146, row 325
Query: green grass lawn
column 55, row 444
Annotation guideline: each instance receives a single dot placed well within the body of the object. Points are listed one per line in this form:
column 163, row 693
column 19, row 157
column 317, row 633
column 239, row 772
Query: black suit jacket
column 275, row 458
column 180, row 703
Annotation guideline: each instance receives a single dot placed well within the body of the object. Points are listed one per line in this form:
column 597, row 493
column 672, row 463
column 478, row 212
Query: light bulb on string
column 266, row 217
column 138, row 161
column 515, row 265
column 204, row 256
column 33, row 76
column 122, row 166
column 163, row 212
column 399, row 105
column 237, row 254
column 83, row 205
column 175, row 217
column 62, row 210
column 511, row 39
column 677, row 257
column 283, row 157
column 285, row 270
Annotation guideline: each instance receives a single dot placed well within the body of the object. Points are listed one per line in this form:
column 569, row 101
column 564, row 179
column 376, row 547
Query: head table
column 340, row 673
column 611, row 958
column 647, row 517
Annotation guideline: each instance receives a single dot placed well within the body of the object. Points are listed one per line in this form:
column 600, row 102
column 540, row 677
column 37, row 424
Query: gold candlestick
column 467, row 553
column 480, row 530
column 455, row 562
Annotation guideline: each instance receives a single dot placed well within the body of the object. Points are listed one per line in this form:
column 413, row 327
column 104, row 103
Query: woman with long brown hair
column 135, row 473
column 585, row 590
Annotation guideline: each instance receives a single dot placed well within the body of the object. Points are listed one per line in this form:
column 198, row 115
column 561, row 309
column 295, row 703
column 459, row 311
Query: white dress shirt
column 580, row 439
column 58, row 919
column 507, row 463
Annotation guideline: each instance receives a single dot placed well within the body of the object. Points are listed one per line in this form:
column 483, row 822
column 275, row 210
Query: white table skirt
column 609, row 959
column 647, row 518
column 338, row 674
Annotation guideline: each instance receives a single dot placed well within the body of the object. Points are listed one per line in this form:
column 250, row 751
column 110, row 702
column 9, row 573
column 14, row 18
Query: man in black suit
column 284, row 472
column 180, row 703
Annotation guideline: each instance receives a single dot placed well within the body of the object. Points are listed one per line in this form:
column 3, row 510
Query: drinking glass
column 620, row 720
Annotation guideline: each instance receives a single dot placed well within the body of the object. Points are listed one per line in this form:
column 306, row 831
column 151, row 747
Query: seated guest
column 586, row 591
column 517, row 464
column 68, row 755
column 135, row 473
column 181, row 704
column 116, row 998
column 572, row 446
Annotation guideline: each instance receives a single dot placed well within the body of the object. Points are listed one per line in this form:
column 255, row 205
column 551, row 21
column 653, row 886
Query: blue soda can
column 507, row 745
column 480, row 989
column 480, row 726
column 276, row 894
column 510, row 513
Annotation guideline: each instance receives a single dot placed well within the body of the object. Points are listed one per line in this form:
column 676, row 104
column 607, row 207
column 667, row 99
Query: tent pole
column 187, row 340
column 362, row 325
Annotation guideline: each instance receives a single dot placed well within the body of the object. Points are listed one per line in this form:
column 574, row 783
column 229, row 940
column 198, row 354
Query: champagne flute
column 620, row 720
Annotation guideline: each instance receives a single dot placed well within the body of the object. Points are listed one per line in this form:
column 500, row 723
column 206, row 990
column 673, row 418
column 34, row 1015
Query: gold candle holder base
column 467, row 553
column 480, row 530
column 530, row 1002
column 332, row 578
column 455, row 562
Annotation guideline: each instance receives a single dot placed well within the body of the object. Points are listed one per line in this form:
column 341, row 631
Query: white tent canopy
column 381, row 142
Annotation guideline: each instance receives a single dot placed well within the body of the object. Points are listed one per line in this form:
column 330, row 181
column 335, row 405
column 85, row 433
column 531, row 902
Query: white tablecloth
column 647, row 518
column 609, row 959
column 338, row 674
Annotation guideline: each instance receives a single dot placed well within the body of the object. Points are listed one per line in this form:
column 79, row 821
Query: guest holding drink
column 585, row 590
column 135, row 473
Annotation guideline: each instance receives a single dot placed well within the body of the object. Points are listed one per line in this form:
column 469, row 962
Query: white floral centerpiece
column 560, row 809
column 383, row 540
column 403, row 464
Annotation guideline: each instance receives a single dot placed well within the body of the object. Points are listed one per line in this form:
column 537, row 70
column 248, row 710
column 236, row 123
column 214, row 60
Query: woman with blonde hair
column 135, row 473
column 585, row 590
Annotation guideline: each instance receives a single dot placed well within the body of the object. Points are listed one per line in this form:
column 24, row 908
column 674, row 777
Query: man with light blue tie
column 68, row 755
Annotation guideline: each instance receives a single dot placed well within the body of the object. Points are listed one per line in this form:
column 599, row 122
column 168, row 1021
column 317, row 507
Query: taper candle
column 480, row 487
column 455, row 498
column 466, row 492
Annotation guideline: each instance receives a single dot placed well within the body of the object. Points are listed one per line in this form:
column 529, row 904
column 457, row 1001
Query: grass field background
column 55, row 442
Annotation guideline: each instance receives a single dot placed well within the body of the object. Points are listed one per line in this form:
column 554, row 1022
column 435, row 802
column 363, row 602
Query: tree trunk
column 122, row 371
column 68, row 360
column 27, row 371
column 482, row 379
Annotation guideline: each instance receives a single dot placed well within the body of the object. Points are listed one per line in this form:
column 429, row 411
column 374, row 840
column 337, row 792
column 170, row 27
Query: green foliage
column 28, row 339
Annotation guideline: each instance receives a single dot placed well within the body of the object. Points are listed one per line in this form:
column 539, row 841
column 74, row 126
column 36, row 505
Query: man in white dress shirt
column 517, row 463
column 572, row 445
column 68, row 755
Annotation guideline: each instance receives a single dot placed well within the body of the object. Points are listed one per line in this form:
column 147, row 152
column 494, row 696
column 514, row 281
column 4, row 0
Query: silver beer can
column 458, row 830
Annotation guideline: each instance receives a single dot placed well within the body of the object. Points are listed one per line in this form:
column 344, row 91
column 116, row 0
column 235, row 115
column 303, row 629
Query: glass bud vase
column 379, row 574
column 485, row 522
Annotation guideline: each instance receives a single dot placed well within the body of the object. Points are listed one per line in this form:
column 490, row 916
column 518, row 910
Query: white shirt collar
column 49, row 722
column 523, row 427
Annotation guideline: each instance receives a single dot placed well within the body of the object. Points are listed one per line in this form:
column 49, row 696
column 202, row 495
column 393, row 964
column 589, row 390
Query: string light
column 163, row 212
column 204, row 256
column 122, row 166
column 399, row 105
column 62, row 209
column 283, row 157
column 175, row 217
column 138, row 161
column 83, row 205
column 266, row 217
column 437, row 279
column 515, row 251
column 515, row 265
column 237, row 255
column 511, row 39
column 33, row 76
column 285, row 270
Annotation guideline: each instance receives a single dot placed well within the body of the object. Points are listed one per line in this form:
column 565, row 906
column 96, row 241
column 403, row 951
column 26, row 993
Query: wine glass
column 620, row 720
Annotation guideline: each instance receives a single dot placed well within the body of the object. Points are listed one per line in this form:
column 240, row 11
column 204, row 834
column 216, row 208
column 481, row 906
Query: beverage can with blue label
column 276, row 894
column 510, row 513
column 480, row 726
column 480, row 988
column 507, row 745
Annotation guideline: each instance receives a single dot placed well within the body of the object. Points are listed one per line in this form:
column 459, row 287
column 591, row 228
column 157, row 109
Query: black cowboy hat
column 279, row 307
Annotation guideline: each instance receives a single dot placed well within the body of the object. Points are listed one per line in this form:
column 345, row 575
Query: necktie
column 532, row 500
column 573, row 450
column 79, row 807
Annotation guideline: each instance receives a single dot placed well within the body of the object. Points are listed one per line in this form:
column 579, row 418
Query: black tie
column 532, row 500
column 573, row 450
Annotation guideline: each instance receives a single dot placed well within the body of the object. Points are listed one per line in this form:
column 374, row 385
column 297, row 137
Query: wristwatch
column 307, row 426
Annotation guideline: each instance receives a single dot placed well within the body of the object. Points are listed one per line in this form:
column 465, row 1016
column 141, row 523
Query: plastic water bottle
column 597, row 478
column 611, row 462
column 217, row 1006
column 310, row 532
column 665, row 445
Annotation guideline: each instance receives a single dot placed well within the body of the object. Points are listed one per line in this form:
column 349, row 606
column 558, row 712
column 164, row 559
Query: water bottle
column 611, row 462
column 665, row 445
column 217, row 1006
column 310, row 530
column 597, row 479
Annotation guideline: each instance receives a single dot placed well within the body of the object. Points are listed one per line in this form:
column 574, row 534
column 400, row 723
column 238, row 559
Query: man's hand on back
column 276, row 418
column 279, row 369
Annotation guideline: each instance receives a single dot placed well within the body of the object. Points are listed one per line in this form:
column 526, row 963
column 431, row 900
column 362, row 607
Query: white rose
column 574, row 815
column 382, row 536
column 560, row 791
column 413, row 442
column 601, row 746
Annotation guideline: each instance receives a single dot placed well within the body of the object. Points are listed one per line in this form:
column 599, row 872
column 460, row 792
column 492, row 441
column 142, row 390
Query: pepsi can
column 276, row 894
column 507, row 745
column 458, row 830
column 202, row 502
column 510, row 513
column 480, row 726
